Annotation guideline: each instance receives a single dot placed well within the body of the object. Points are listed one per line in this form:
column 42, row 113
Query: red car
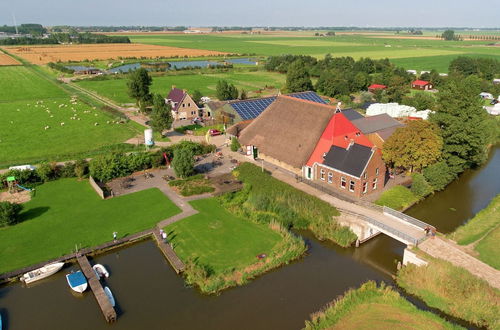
column 214, row 132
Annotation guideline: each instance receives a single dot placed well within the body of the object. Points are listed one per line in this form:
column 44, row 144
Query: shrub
column 235, row 144
column 66, row 171
column 9, row 213
column 439, row 175
column 420, row 187
column 81, row 168
column 46, row 171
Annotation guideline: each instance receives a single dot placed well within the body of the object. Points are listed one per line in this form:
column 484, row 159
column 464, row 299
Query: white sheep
column 95, row 124
column 62, row 124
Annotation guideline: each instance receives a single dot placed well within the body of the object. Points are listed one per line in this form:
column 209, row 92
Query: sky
column 362, row 13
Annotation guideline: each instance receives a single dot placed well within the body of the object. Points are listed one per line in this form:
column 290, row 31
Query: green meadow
column 68, row 213
column 116, row 89
column 411, row 53
column 39, row 121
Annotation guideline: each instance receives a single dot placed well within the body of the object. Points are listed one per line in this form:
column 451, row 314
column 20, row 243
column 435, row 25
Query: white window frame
column 364, row 175
column 365, row 187
column 353, row 184
column 322, row 174
column 343, row 183
column 330, row 177
column 374, row 184
column 376, row 171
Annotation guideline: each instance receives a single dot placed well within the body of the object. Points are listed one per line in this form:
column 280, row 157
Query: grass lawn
column 23, row 137
column 372, row 307
column 219, row 239
column 116, row 89
column 67, row 212
column 453, row 290
column 397, row 198
column 484, row 232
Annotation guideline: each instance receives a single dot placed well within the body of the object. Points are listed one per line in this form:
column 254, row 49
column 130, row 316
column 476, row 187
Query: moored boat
column 1, row 327
column 110, row 295
column 41, row 272
column 77, row 281
column 100, row 270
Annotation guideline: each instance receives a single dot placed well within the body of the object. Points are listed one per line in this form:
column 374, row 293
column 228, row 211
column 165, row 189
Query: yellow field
column 7, row 60
column 64, row 53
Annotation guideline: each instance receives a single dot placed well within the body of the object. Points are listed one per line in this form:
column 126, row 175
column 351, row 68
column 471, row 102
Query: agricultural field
column 7, row 60
column 65, row 53
column 412, row 52
column 66, row 212
column 116, row 89
column 40, row 121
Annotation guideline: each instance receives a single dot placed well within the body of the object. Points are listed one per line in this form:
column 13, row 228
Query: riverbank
column 374, row 307
column 452, row 290
column 480, row 235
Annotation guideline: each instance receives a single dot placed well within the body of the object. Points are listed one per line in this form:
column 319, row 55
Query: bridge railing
column 406, row 218
column 397, row 233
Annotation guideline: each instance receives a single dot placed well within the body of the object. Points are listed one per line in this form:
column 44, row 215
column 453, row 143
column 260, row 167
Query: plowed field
column 64, row 53
column 7, row 60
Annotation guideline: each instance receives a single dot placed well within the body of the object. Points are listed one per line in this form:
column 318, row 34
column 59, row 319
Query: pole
column 262, row 165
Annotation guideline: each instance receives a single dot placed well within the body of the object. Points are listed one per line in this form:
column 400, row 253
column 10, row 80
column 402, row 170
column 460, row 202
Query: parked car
column 214, row 132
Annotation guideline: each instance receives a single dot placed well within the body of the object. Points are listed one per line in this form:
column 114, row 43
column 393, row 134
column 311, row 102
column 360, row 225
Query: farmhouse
column 421, row 85
column 183, row 106
column 234, row 111
column 315, row 141
column 373, row 87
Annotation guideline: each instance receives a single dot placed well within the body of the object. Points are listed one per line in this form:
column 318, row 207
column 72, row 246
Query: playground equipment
column 13, row 185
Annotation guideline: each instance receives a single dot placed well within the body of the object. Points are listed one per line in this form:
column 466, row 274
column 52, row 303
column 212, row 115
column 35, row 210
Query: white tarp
column 396, row 110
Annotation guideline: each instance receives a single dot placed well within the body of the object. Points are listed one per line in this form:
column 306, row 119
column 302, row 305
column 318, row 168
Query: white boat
column 42, row 272
column 77, row 281
column 110, row 296
column 100, row 270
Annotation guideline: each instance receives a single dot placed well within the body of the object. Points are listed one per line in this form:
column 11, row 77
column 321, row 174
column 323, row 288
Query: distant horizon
column 258, row 13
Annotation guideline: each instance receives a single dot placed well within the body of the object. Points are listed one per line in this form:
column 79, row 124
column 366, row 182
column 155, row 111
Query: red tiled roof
column 339, row 132
column 377, row 86
column 420, row 83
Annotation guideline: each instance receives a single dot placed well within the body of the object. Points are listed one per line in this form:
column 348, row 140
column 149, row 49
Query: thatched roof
column 288, row 130
column 237, row 128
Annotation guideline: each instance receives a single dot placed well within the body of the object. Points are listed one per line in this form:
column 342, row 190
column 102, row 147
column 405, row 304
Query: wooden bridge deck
column 169, row 253
column 102, row 299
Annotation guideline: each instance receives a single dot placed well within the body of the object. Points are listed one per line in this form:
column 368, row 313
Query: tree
column 9, row 213
column 397, row 88
column 235, row 144
column 243, row 95
column 465, row 126
column 438, row 175
column 421, row 101
column 448, row 35
column 297, row 78
column 332, row 85
column 226, row 91
column 138, row 87
column 161, row 117
column 414, row 146
column 183, row 162
column 197, row 97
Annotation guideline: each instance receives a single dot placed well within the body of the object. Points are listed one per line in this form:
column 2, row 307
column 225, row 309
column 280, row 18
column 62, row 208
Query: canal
column 150, row 295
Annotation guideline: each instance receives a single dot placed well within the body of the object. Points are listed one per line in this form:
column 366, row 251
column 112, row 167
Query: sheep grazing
column 46, row 127
column 95, row 124
column 62, row 124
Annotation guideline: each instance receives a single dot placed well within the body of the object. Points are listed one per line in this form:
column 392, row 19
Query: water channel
column 151, row 296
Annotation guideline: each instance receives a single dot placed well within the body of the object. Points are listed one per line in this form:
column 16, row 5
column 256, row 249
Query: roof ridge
column 305, row 101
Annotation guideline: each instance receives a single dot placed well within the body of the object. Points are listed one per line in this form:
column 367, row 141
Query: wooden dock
column 168, row 252
column 102, row 299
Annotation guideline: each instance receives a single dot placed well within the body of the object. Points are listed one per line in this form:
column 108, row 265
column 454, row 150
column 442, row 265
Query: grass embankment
column 67, row 212
column 483, row 231
column 265, row 199
column 453, row 290
column 372, row 307
column 194, row 185
column 397, row 198
column 220, row 249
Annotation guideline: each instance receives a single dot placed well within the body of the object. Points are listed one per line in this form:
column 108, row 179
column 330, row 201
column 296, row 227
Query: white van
column 23, row 168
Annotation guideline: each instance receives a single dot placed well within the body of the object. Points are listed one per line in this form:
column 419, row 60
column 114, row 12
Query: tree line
column 65, row 38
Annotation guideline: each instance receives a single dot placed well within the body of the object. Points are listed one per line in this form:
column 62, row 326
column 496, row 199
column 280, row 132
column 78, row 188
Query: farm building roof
column 351, row 114
column 237, row 128
column 176, row 94
column 420, row 83
column 377, row 86
column 289, row 129
column 376, row 123
column 250, row 109
column 351, row 160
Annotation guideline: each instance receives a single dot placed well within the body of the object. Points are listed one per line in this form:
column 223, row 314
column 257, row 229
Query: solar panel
column 250, row 109
column 310, row 96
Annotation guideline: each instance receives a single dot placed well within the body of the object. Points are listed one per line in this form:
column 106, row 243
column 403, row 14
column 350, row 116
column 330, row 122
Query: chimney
column 173, row 86
column 338, row 108
column 350, row 144
column 324, row 155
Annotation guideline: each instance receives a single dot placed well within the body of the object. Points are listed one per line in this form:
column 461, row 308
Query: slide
column 18, row 185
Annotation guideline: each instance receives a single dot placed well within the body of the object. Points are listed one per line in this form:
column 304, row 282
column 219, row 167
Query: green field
column 67, row 212
column 116, row 89
column 411, row 53
column 219, row 239
column 29, row 103
column 372, row 307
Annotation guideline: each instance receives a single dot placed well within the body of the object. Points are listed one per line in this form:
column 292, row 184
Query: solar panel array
column 250, row 109
column 310, row 96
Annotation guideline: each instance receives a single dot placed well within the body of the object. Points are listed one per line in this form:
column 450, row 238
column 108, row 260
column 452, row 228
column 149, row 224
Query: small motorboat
column 100, row 270
column 110, row 295
column 41, row 273
column 77, row 281
column 1, row 321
